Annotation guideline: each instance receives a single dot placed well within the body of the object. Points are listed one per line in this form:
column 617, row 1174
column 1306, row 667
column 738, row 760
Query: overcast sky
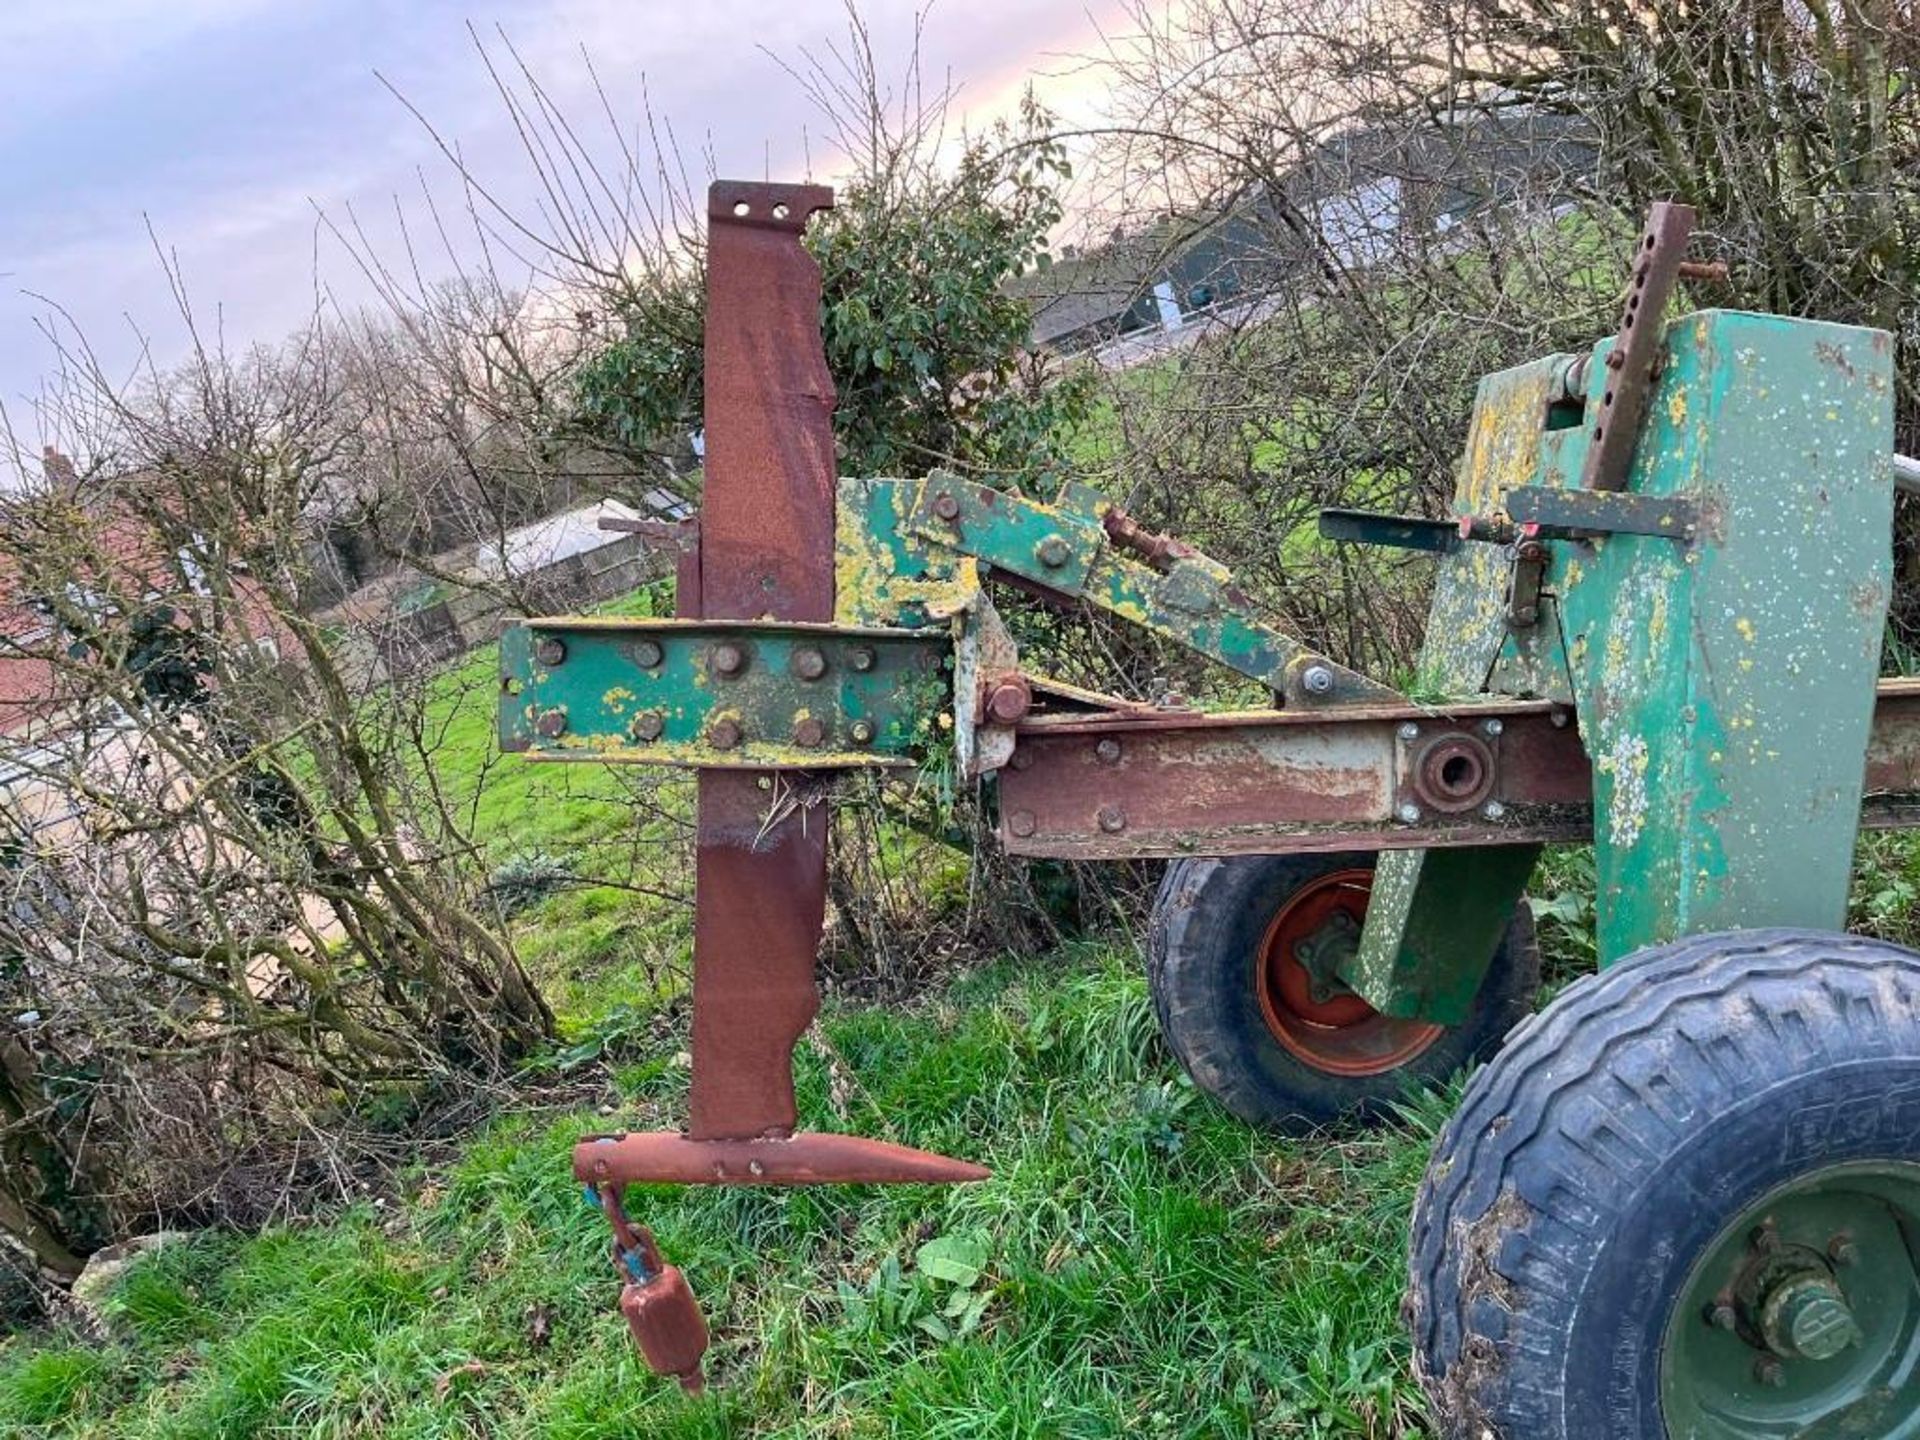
column 226, row 122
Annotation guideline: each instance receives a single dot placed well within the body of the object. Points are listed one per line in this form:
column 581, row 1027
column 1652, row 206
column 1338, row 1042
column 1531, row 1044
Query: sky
column 229, row 126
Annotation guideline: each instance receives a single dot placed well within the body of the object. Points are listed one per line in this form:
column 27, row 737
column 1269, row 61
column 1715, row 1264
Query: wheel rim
column 1803, row 1316
column 1314, row 1016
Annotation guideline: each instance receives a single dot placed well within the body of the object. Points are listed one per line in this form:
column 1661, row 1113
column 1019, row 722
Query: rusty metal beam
column 1113, row 787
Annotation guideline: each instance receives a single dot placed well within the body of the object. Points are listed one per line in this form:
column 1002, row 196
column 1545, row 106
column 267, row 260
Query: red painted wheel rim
column 1341, row 1035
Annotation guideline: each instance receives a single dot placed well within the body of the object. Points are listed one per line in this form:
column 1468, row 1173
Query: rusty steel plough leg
column 765, row 551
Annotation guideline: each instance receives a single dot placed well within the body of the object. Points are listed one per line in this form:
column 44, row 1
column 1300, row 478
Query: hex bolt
column 809, row 663
column 647, row 654
column 862, row 732
column 946, row 507
column 1021, row 822
column 1009, row 701
column 1409, row 814
column 1722, row 1317
column 1769, row 1372
column 1765, row 1239
column 649, row 725
column 728, row 659
column 552, row 723
column 1317, row 679
column 724, row 734
column 1021, row 760
column 1409, row 731
column 1494, row 810
column 551, row 651
column 1053, row 552
column 809, row 732
column 1842, row 1250
column 862, row 658
column 1493, row 729
column 1108, row 751
column 1560, row 719
column 1112, row 819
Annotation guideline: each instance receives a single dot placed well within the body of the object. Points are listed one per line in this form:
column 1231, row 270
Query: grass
column 1140, row 1264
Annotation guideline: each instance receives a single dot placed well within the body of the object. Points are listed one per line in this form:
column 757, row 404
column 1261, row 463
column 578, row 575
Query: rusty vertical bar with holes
column 766, row 552
column 1659, row 254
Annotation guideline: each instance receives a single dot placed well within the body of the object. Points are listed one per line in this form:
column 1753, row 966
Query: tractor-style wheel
column 1685, row 1202
column 1243, row 955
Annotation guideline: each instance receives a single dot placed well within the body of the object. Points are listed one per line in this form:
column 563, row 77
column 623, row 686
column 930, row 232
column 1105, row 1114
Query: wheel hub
column 1804, row 1313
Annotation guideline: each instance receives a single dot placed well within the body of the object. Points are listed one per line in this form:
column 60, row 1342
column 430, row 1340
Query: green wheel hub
column 1802, row 1318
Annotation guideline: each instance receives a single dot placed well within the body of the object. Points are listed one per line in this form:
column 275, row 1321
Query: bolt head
column 1053, row 552
column 862, row 658
column 649, row 725
column 1769, row 1372
column 1493, row 729
column 1021, row 760
column 552, row 723
column 1317, row 679
column 1409, row 731
column 946, row 507
column 1108, row 751
column 1021, row 822
column 1722, row 1317
column 728, row 659
column 1765, row 1239
column 862, row 732
column 647, row 654
column 551, row 651
column 1560, row 719
column 809, row 663
column 1409, row 813
column 1009, row 701
column 1112, row 819
column 1842, row 1250
column 724, row 734
column 809, row 732
column 1494, row 810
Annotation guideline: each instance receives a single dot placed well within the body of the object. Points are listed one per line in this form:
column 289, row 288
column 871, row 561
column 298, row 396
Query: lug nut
column 1765, row 1239
column 946, row 507
column 1108, row 751
column 1842, row 1250
column 809, row 663
column 1722, row 1317
column 647, row 654
column 552, row 723
column 649, row 725
column 861, row 658
column 1053, row 552
column 1112, row 819
column 862, row 732
column 1317, row 679
column 724, row 734
column 551, row 651
column 728, row 659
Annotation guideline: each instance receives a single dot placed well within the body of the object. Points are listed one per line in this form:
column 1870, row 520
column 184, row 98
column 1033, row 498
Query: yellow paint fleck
column 1745, row 627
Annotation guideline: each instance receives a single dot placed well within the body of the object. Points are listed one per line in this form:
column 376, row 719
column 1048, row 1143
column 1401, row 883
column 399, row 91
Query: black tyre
column 1685, row 1202
column 1284, row 1046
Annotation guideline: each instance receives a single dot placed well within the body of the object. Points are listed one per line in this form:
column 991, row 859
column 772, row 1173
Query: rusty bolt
column 1317, row 679
column 728, row 659
column 552, row 723
column 647, row 654
column 551, row 651
column 862, row 657
column 809, row 732
column 1765, row 1239
column 862, row 732
column 1721, row 1317
column 1021, row 822
column 1008, row 701
column 1108, row 751
column 724, row 733
column 1841, row 1249
column 1021, row 760
column 1768, row 1372
column 1493, row 729
column 1112, row 819
column 649, row 725
column 1053, row 552
column 809, row 663
column 946, row 507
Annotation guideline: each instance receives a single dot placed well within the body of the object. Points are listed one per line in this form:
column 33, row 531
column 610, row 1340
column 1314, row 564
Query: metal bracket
column 1558, row 513
column 721, row 695
column 1446, row 767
